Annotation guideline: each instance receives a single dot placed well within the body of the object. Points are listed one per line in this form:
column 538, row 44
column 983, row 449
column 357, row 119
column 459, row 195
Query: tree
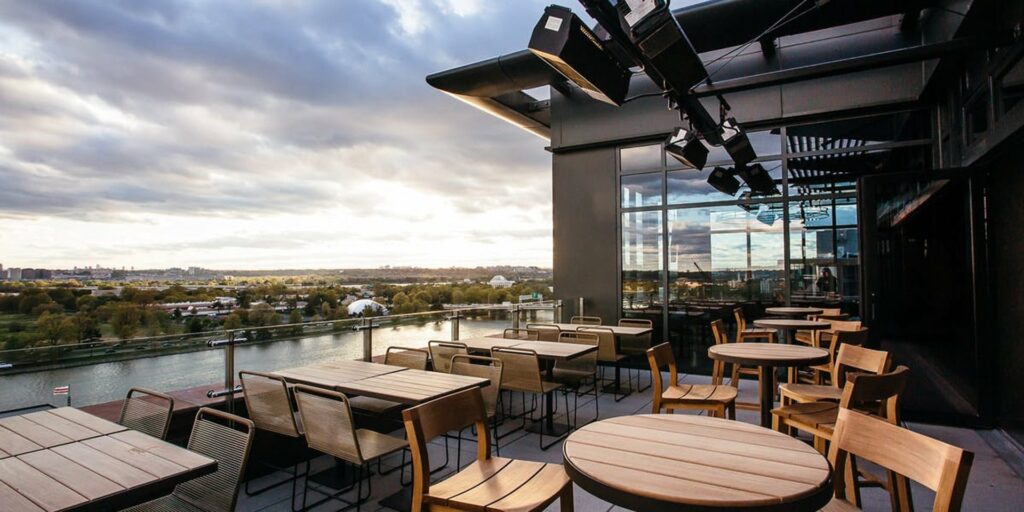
column 295, row 317
column 233, row 321
column 125, row 319
column 52, row 327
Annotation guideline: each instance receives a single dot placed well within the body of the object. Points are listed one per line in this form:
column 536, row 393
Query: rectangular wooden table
column 617, row 329
column 77, row 461
column 332, row 374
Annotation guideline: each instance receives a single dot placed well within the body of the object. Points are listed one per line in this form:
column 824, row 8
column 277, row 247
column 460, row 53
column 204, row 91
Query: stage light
column 687, row 148
column 736, row 143
column 724, row 180
column 758, row 179
column 765, row 215
column 563, row 41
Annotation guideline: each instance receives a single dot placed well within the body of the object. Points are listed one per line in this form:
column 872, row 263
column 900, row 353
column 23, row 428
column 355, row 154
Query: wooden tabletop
column 793, row 311
column 768, row 354
column 46, row 429
column 333, row 374
column 556, row 351
column 106, row 471
column 486, row 343
column 687, row 462
column 791, row 323
column 618, row 330
column 411, row 386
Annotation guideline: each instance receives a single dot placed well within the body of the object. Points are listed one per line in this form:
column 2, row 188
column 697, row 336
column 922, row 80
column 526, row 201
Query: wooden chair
column 851, row 358
column 822, row 373
column 635, row 347
column 718, row 367
column 331, row 429
column 545, row 332
column 715, row 398
column 608, row 354
column 578, row 373
column 412, row 358
column 490, row 483
column 744, row 332
column 217, row 491
column 147, row 411
column 270, row 407
column 521, row 373
column 586, row 320
column 521, row 334
column 441, row 353
column 485, row 368
column 938, row 466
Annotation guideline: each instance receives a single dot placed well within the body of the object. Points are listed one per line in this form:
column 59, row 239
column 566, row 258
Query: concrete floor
column 993, row 484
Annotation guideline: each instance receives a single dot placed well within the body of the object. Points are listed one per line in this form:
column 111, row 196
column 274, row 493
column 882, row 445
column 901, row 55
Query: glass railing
column 208, row 362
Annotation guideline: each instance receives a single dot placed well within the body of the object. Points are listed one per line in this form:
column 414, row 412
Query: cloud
column 243, row 117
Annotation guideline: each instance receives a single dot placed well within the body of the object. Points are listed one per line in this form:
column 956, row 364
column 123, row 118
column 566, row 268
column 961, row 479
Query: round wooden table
column 788, row 325
column 686, row 462
column 793, row 311
column 766, row 357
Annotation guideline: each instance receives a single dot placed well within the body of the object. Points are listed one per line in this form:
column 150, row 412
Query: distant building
column 356, row 308
column 500, row 282
column 14, row 274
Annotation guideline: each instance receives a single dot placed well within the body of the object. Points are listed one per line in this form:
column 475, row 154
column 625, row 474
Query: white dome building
column 356, row 308
column 501, row 282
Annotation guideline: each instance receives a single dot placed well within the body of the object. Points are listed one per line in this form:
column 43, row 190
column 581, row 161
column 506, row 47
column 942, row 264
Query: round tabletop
column 768, row 354
column 794, row 311
column 687, row 462
column 791, row 323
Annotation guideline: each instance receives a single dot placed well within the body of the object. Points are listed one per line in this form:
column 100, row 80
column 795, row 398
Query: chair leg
column 731, row 409
column 565, row 503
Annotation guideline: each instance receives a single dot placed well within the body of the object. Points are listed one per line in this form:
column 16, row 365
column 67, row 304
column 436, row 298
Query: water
column 104, row 382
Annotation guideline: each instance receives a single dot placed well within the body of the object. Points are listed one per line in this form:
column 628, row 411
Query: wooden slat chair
column 485, row 368
column 545, row 332
column 270, row 407
column 521, row 373
column 412, row 358
column 494, row 484
column 717, row 399
column 331, row 429
column 823, row 373
column 746, row 333
column 824, row 337
column 147, row 411
column 852, row 358
column 807, row 337
column 941, row 467
column 521, row 334
column 441, row 353
column 576, row 374
column 635, row 347
column 586, row 320
column 217, row 491
column 718, row 367
column 608, row 353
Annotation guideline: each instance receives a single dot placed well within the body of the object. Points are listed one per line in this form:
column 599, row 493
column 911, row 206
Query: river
column 102, row 382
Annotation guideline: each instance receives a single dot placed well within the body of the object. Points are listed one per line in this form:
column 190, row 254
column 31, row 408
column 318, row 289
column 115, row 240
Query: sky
column 243, row 134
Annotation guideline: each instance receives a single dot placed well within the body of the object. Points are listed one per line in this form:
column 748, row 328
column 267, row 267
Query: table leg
column 767, row 394
column 547, row 424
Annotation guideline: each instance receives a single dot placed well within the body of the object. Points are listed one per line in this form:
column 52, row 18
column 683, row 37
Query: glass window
column 641, row 261
column 641, row 190
column 691, row 186
column 640, row 158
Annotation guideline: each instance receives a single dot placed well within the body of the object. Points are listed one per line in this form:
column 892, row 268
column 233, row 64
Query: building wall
column 585, row 231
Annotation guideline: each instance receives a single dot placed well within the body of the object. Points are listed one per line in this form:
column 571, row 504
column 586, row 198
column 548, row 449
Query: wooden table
column 793, row 311
column 486, row 343
column 686, row 462
column 617, row 329
column 767, row 357
column 82, row 462
column 788, row 325
column 333, row 374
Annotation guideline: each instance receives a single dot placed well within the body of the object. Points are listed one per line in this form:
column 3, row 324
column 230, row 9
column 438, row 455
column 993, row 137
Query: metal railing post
column 455, row 325
column 229, row 372
column 367, row 328
column 558, row 311
column 579, row 306
column 515, row 315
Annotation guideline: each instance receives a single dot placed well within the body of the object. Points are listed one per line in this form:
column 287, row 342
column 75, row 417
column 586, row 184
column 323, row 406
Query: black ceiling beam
column 851, row 65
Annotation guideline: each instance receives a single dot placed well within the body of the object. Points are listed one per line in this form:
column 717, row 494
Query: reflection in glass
column 641, row 190
column 640, row 158
column 641, row 261
column 823, row 250
column 688, row 186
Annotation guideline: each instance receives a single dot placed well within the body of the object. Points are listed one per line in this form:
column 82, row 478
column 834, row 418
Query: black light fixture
column 563, row 41
column 737, row 143
column 724, row 180
column 758, row 179
column 684, row 145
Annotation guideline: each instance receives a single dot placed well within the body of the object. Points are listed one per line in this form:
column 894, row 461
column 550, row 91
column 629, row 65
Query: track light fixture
column 737, row 143
column 684, row 145
column 758, row 179
column 724, row 180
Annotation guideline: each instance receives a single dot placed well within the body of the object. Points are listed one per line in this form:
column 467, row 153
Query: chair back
column 941, row 467
column 485, row 368
column 520, row 369
column 269, row 403
column 741, row 321
column 327, row 418
column 854, row 358
column 218, row 491
column 441, row 353
column 427, row 421
column 718, row 332
column 521, row 334
column 827, row 313
column 640, row 342
column 877, row 394
column 844, row 325
column 583, row 363
column 412, row 358
column 586, row 320
column 147, row 411
column 545, row 332
column 606, row 349
column 658, row 357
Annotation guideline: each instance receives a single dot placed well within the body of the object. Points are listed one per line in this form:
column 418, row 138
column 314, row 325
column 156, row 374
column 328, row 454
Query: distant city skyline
column 261, row 135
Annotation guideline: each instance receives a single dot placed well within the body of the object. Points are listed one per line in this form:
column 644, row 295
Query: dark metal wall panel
column 586, row 231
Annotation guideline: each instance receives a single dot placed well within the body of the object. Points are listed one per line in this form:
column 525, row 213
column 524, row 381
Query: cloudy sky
column 261, row 134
